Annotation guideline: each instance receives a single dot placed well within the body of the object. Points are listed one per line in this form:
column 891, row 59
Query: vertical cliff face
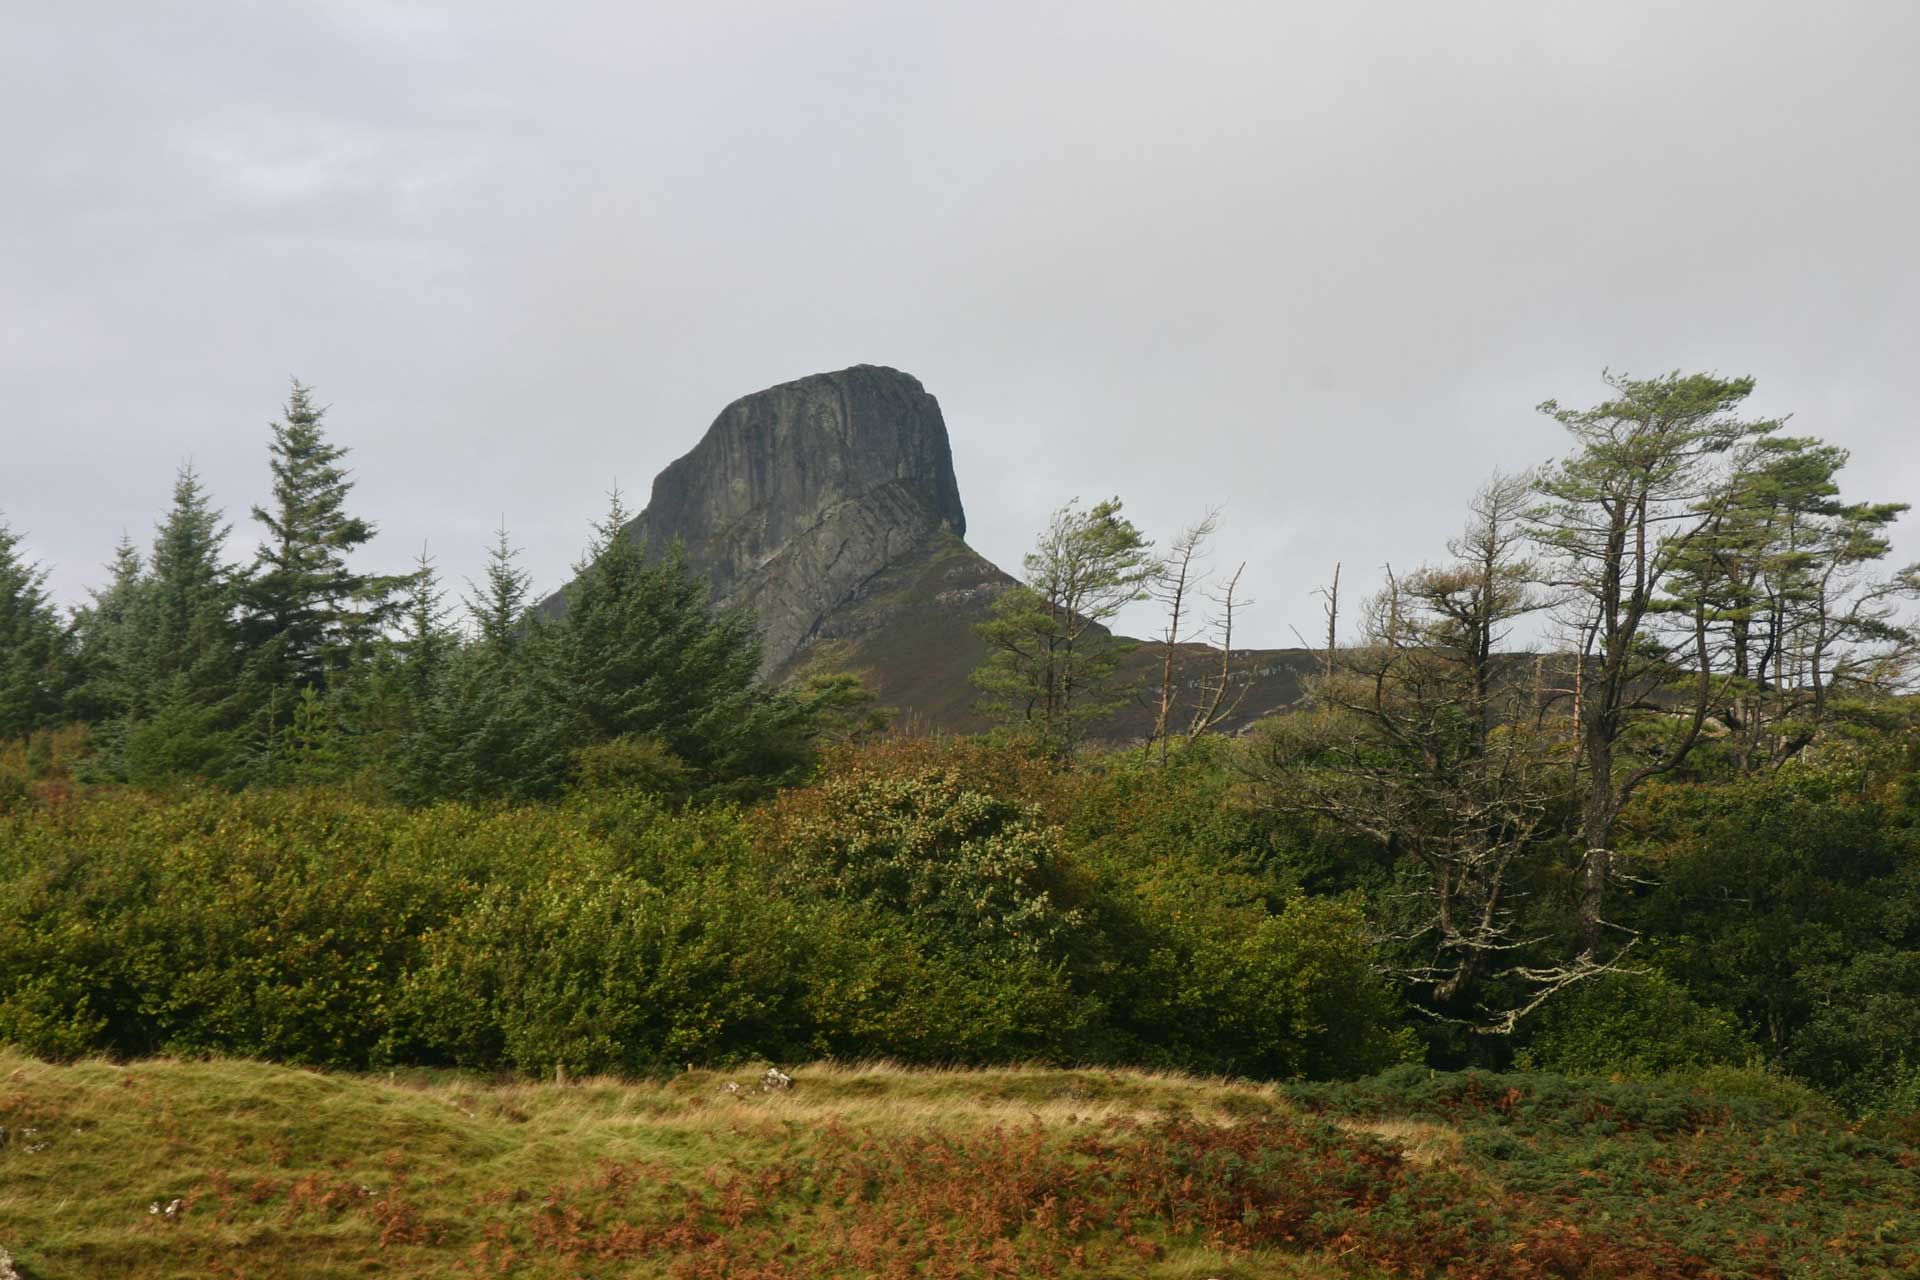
column 800, row 495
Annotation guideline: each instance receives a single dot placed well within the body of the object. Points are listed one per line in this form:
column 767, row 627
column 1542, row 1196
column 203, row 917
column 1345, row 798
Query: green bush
column 903, row 914
column 1634, row 1024
column 599, row 970
column 1217, row 961
column 958, row 911
column 969, row 869
column 1793, row 901
column 272, row 924
column 632, row 764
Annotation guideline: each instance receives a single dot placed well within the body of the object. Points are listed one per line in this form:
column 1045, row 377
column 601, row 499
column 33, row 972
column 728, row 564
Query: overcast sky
column 1314, row 262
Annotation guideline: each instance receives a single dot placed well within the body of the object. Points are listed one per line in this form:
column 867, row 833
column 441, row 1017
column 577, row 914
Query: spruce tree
column 305, row 612
column 188, row 703
column 641, row 655
column 34, row 669
column 482, row 730
column 499, row 608
column 101, row 640
column 427, row 643
column 191, row 587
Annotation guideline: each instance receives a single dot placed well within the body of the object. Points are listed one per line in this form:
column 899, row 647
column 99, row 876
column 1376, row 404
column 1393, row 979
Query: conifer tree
column 180, row 658
column 641, row 654
column 1801, row 626
column 427, row 643
column 499, row 608
column 1622, row 521
column 305, row 611
column 34, row 668
column 101, row 640
column 390, row 701
column 481, row 729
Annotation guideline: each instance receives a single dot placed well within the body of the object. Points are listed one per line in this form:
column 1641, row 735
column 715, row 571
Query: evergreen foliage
column 498, row 609
column 640, row 654
column 480, row 726
column 35, row 671
column 306, row 612
column 187, row 711
column 593, row 836
column 100, row 639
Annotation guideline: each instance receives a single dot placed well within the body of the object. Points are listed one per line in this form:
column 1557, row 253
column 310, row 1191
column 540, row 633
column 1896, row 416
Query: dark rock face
column 802, row 494
column 828, row 508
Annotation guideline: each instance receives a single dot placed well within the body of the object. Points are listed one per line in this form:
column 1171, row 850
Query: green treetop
column 33, row 651
column 305, row 610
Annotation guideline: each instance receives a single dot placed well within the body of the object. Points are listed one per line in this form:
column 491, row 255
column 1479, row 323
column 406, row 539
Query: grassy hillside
column 225, row 1168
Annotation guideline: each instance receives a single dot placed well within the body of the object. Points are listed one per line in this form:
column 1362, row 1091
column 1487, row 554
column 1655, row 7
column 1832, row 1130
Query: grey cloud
column 1314, row 262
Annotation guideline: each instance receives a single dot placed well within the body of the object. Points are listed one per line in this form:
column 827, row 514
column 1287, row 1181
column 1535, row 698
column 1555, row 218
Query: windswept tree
column 1053, row 662
column 305, row 609
column 1805, row 629
column 1621, row 524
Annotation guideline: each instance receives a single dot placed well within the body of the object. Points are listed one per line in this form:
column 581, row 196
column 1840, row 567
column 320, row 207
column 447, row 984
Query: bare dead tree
column 1330, row 597
column 1213, row 707
column 1179, row 577
column 1425, row 739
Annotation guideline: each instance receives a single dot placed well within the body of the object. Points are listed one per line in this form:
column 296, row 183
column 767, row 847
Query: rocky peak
column 800, row 495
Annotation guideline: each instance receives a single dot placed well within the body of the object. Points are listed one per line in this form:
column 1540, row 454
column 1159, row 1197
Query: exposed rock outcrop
column 827, row 506
column 800, row 495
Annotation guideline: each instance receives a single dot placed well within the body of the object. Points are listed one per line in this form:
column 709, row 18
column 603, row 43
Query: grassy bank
column 275, row 1172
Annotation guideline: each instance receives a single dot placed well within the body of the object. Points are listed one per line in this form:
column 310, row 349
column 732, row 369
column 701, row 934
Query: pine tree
column 1622, row 526
column 35, row 672
column 305, row 612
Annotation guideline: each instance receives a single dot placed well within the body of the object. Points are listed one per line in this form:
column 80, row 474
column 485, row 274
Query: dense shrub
column 1793, row 902
column 1218, row 961
column 600, row 969
column 900, row 912
column 271, row 924
column 1639, row 1024
column 972, row 870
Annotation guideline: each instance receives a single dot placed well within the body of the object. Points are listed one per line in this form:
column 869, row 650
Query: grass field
column 236, row 1169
